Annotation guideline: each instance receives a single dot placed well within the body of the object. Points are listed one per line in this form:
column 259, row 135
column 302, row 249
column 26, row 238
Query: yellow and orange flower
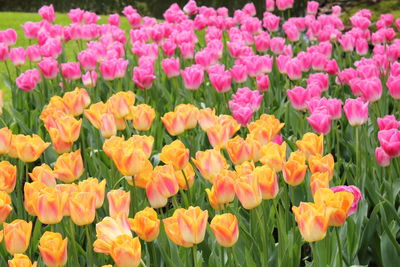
column 59, row 144
column 76, row 101
column 163, row 185
column 218, row 136
column 53, row 249
column 50, row 206
column 265, row 129
column 210, row 163
column 82, row 207
column 142, row 117
column 143, row 177
column 185, row 177
column 207, row 118
column 68, row 128
column 5, row 139
column 69, row 166
column 255, row 148
column 311, row 144
column 30, row 148
column 238, row 150
column 68, row 190
column 8, row 176
column 319, row 180
column 142, row 142
column 174, row 122
column 120, row 103
column 189, row 115
column 322, row 164
column 337, row 204
column 93, row 185
column 175, row 154
column 119, row 202
column 146, row 224
column 126, row 251
column 31, row 194
column 222, row 191
column 226, row 229
column 108, row 125
column 294, row 172
column 94, row 113
column 268, row 181
column 248, row 191
column 245, row 168
column 129, row 159
column 5, row 206
column 273, row 155
column 17, row 236
column 44, row 174
column 312, row 220
column 21, row 260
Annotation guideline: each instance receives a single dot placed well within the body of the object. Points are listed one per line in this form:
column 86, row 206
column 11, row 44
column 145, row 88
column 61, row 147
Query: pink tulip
column 47, row 13
column 51, row 48
column 319, row 78
column 352, row 189
column 298, row 97
column 17, row 56
column 49, row 68
column 360, row 22
column 278, row 139
column 168, row 48
column 89, row 79
column 190, row 8
column 336, row 10
column 246, row 97
column 318, row 61
column 361, row 47
column 333, row 105
column 28, row 80
column 143, row 77
column 305, row 61
column 281, row 63
column 356, row 111
column 320, row 121
column 239, row 73
column 221, row 81
column 87, row 59
column 312, row 7
column 382, row 157
column 90, row 17
column 31, row 29
column 33, row 53
column 171, row 67
column 331, row 67
column 388, row 122
column 277, row 44
column 187, row 50
column 271, row 22
column 76, row 15
column 3, row 52
column 262, row 82
column 390, row 141
column 242, row 114
column 9, row 37
column 262, row 42
column 114, row 19
column 293, row 69
column 270, row 4
column 284, row 4
column 371, row 89
column 393, row 84
column 71, row 71
column 193, row 77
column 134, row 19
column 347, row 42
column 113, row 69
column 206, row 57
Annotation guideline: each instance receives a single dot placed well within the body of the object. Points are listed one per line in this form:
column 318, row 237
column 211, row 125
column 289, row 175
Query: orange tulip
column 143, row 177
column 31, row 195
column 265, row 129
column 322, row 164
column 29, row 148
column 143, row 142
column 60, row 146
column 311, row 144
column 69, row 166
column 50, row 206
column 121, row 102
column 94, row 113
column 222, row 191
column 53, row 249
column 229, row 123
column 210, row 163
column 82, row 207
column 5, row 206
column 189, row 115
column 126, row 251
column 248, row 191
column 108, row 125
column 187, row 174
column 255, row 148
column 174, row 122
column 93, row 185
column 273, row 155
column 319, row 180
column 44, row 174
column 294, row 172
column 238, row 150
column 118, row 201
column 337, row 204
column 142, row 117
column 298, row 156
column 245, row 168
column 17, row 235
column 218, row 136
column 312, row 220
column 15, row 139
column 68, row 190
column 21, row 260
column 8, row 176
column 206, row 118
column 163, row 185
column 76, row 101
column 268, row 181
column 175, row 154
column 108, row 230
column 173, row 231
column 112, row 144
column 5, row 139
column 68, row 128
column 129, row 159
column 226, row 229
column 146, row 224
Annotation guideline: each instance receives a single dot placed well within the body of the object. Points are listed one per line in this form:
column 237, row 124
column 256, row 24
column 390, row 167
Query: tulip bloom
column 82, row 207
column 163, row 185
column 356, row 111
column 17, row 235
column 210, row 163
column 265, row 129
column 189, row 114
column 226, row 229
column 126, row 251
column 71, row 71
column 174, row 123
column 50, row 206
column 294, row 172
column 390, row 141
column 267, row 180
column 76, row 101
column 248, row 191
column 8, row 176
column 120, row 103
column 119, row 202
column 322, row 164
column 44, row 174
column 142, row 117
column 20, row 260
column 68, row 128
column 319, row 180
column 146, row 224
column 69, row 166
column 273, row 155
column 93, row 185
column 29, row 148
column 311, row 144
column 175, row 154
column 312, row 220
column 222, row 192
column 382, row 157
column 5, row 206
column 238, row 150
column 53, row 249
column 193, row 77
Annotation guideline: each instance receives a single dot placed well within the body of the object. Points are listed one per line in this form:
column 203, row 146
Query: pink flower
column 271, row 22
column 171, row 67
column 320, row 121
column 393, row 84
column 221, row 81
column 277, row 44
column 134, row 19
column 284, row 4
column 291, row 32
column 305, row 60
column 239, row 73
column 371, row 89
column 298, row 97
column 190, row 8
column 242, row 114
column 388, row 122
column 336, row 10
column 278, row 139
column 246, row 97
column 293, row 69
column 270, row 4
column 113, row 69
column 17, row 56
column 51, row 48
column 390, row 141
column 90, row 17
column 88, row 59
column 168, row 47
column 89, row 79
column 331, row 67
column 382, row 157
column 33, row 53
column 114, row 19
column 9, row 37
column 31, row 29
column 71, row 70
column 352, row 189
column 187, row 50
column 319, row 78
column 47, row 13
column 193, row 77
column 346, row 75
column 262, row 82
column 3, row 52
column 206, row 57
column 318, row 61
column 281, row 63
column 28, row 80
column 262, row 41
column 49, row 68
column 356, row 111
column 312, row 7
column 143, row 77
column 333, row 105
column 76, row 15
column 361, row 47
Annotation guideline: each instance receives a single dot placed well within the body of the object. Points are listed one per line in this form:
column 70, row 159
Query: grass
column 381, row 7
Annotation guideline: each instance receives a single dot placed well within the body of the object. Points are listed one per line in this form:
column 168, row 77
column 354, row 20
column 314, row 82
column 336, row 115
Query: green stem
column 75, row 252
column 221, row 252
column 176, row 206
column 153, row 251
column 194, row 250
column 187, row 186
column 358, row 167
column 263, row 235
column 234, row 259
column 142, row 262
column 52, row 228
column 314, row 254
column 88, row 246
column 339, row 247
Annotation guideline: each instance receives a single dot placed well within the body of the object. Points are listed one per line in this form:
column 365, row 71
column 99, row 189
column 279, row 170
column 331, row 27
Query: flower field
column 213, row 137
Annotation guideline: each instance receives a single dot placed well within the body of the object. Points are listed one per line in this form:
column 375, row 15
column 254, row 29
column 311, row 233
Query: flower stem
column 75, row 252
column 88, row 246
column 194, row 250
column 263, row 240
column 339, row 247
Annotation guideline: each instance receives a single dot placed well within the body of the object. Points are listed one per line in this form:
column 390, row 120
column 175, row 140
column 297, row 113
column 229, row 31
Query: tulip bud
column 5, row 206
column 248, row 191
column 118, row 201
column 69, row 166
column 8, row 176
column 82, row 207
column 175, row 154
column 267, row 180
column 53, row 249
column 21, row 260
column 142, row 117
column 17, row 235
column 226, row 229
column 146, row 224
